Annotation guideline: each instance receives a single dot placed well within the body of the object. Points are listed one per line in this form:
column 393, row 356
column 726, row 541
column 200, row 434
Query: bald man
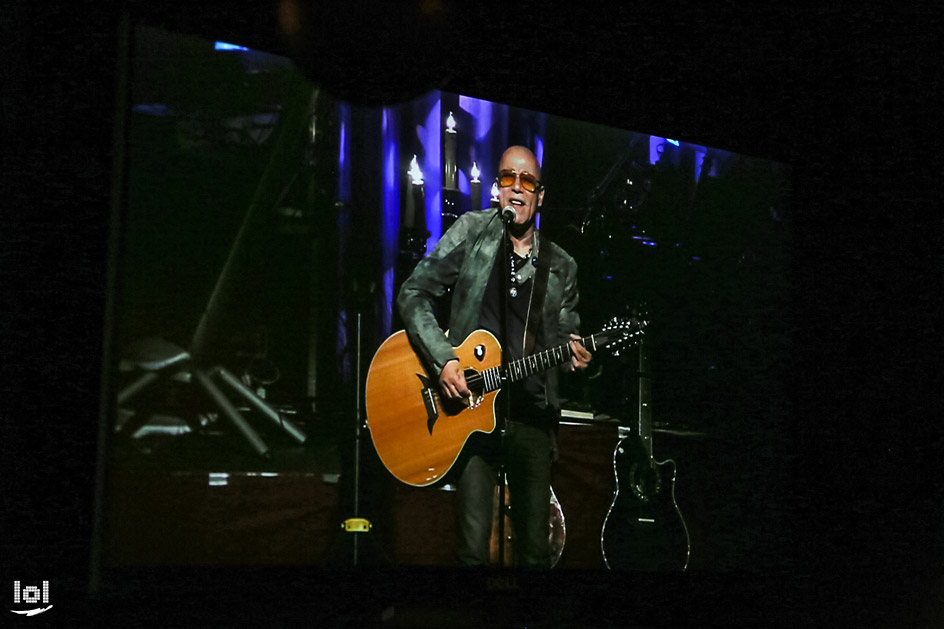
column 540, row 298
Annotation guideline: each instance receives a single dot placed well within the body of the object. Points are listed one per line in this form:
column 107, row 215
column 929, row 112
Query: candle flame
column 475, row 172
column 495, row 191
column 451, row 123
column 415, row 173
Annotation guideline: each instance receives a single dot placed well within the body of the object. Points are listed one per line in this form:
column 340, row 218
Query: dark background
column 847, row 98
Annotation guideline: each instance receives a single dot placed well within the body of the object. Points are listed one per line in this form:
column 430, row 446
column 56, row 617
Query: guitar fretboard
column 644, row 397
column 520, row 369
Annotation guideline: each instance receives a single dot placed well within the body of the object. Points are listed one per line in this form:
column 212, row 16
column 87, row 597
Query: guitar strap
column 535, row 313
column 536, row 321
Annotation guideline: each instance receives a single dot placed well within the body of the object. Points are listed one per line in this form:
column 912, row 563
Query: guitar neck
column 644, row 391
column 520, row 369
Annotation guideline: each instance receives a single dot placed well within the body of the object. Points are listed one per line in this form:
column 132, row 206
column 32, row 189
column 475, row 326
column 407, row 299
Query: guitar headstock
column 620, row 333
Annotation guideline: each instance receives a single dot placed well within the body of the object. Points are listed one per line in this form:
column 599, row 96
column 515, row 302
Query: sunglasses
column 506, row 178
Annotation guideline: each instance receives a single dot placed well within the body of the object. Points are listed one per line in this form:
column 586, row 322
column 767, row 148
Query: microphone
column 508, row 215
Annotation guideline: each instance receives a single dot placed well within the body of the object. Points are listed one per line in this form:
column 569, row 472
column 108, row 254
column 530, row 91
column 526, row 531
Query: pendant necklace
column 518, row 275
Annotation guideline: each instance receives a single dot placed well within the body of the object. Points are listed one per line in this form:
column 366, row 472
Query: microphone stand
column 502, row 474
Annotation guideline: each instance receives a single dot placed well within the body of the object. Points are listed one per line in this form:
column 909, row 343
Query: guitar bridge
column 429, row 401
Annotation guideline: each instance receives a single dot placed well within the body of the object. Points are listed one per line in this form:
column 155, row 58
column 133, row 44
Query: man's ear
column 541, row 197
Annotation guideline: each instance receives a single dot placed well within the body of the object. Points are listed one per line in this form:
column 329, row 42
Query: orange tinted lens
column 529, row 183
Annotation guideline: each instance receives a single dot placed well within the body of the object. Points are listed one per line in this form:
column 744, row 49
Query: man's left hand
column 580, row 356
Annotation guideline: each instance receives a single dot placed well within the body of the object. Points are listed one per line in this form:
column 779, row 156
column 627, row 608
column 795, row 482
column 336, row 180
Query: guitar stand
column 167, row 361
column 502, row 509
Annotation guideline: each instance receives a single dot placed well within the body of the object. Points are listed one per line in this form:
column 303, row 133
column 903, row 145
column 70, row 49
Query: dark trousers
column 526, row 452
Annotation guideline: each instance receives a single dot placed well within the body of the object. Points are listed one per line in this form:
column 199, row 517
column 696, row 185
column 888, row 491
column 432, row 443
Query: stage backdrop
column 266, row 229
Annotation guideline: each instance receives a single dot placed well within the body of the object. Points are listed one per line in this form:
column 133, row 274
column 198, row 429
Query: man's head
column 519, row 184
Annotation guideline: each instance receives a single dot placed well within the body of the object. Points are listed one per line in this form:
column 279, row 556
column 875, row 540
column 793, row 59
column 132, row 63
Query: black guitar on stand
column 643, row 529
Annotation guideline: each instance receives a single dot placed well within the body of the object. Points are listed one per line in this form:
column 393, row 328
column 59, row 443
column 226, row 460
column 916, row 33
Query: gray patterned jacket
column 463, row 259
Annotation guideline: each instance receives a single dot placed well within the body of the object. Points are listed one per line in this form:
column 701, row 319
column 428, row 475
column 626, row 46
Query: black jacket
column 463, row 260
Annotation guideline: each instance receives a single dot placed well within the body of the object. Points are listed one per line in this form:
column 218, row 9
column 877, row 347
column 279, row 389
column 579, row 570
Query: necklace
column 519, row 270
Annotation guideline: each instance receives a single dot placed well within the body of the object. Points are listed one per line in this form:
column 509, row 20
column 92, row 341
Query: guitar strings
column 474, row 381
column 522, row 367
column 517, row 369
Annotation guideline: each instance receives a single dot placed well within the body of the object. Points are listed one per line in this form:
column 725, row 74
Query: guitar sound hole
column 453, row 407
column 645, row 482
column 476, row 383
column 476, row 388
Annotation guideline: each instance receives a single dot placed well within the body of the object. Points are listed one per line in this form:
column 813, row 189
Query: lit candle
column 449, row 151
column 494, row 200
column 476, row 188
column 416, row 193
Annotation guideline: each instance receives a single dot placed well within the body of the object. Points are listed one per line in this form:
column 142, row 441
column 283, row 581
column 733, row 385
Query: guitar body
column 644, row 529
column 417, row 435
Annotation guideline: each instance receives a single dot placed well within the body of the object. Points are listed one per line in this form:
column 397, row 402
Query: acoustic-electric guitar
column 644, row 529
column 418, row 433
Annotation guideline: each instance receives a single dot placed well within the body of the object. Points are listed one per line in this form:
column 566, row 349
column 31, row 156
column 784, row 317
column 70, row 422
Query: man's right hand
column 452, row 381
